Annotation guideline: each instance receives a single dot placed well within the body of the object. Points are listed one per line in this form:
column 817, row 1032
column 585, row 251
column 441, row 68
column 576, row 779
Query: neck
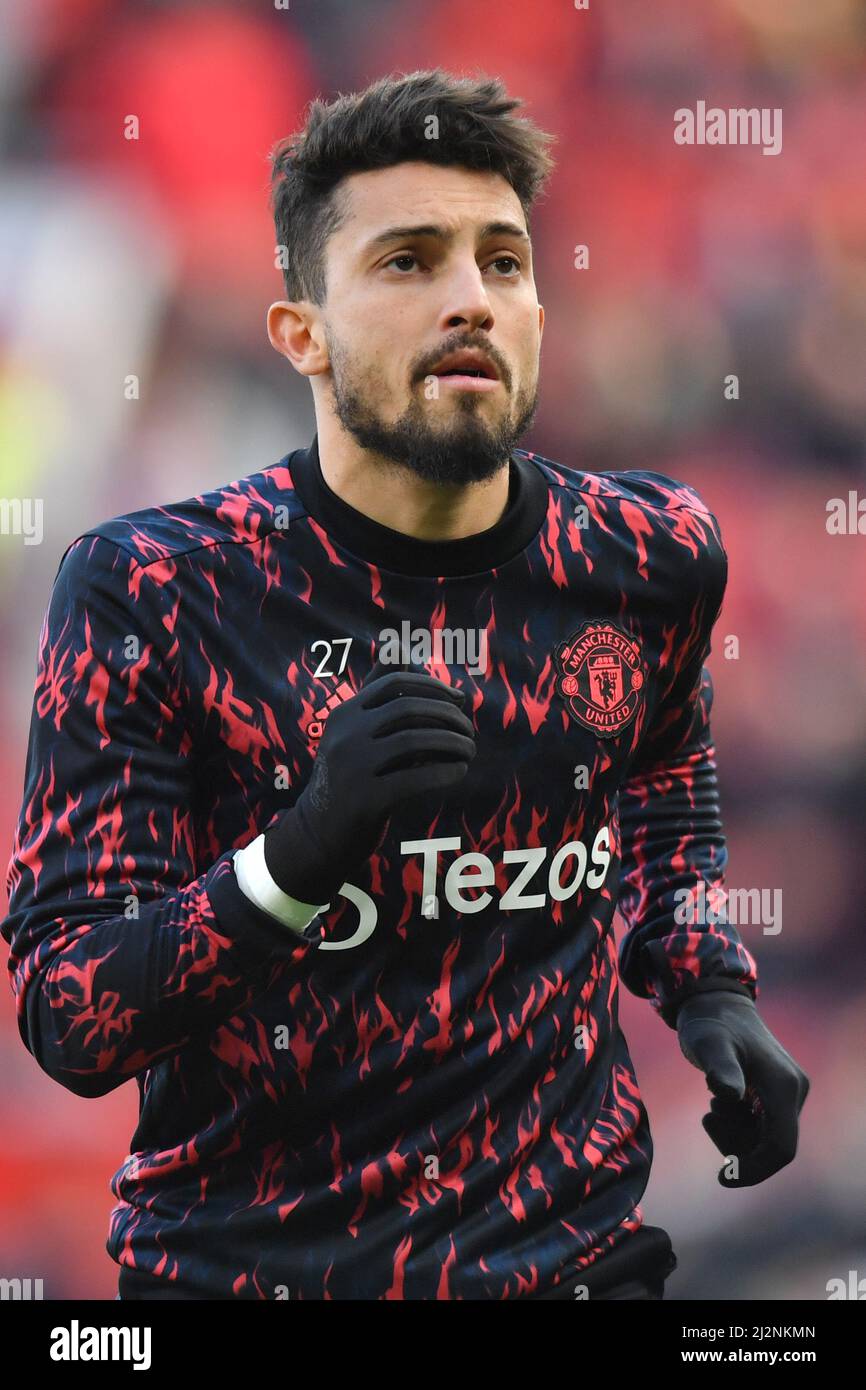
column 394, row 496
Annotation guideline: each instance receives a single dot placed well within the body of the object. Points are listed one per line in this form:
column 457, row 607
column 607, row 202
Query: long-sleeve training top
column 427, row 1095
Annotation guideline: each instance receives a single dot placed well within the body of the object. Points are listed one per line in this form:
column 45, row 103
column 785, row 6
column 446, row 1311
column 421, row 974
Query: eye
column 508, row 260
column 402, row 256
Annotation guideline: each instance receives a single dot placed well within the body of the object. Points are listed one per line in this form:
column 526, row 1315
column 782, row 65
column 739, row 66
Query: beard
column 464, row 449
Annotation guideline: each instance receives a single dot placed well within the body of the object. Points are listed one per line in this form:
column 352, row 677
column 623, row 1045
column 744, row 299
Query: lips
column 469, row 362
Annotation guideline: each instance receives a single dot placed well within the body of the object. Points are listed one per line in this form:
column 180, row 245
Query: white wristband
column 256, row 883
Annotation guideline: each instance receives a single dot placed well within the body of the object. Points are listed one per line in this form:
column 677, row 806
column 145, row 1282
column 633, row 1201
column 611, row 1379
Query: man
column 337, row 773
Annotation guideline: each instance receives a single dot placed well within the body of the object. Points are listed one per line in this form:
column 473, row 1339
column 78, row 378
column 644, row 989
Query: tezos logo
column 532, row 881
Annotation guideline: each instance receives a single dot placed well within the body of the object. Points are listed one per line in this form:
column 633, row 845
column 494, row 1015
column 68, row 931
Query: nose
column 466, row 303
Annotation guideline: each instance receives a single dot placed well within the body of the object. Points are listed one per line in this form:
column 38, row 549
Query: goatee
column 467, row 450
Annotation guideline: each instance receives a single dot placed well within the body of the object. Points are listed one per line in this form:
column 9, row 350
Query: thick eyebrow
column 428, row 229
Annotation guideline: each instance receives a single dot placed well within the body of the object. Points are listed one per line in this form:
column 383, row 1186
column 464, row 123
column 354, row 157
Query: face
column 430, row 262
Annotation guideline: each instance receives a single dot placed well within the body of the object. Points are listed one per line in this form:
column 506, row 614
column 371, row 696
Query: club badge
column 601, row 676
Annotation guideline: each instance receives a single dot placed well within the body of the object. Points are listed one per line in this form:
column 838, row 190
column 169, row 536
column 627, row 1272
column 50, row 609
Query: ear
column 294, row 332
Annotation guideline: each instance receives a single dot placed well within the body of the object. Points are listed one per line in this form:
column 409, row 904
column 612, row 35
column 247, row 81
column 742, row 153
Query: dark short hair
column 385, row 124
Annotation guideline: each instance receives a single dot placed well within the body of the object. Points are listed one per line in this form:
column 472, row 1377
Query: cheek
column 377, row 340
column 379, row 376
column 527, row 358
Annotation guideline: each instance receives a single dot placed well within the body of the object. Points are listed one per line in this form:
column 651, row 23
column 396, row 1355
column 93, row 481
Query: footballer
column 337, row 774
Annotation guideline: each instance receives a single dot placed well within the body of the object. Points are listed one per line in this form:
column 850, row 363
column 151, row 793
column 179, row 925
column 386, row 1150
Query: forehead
column 414, row 192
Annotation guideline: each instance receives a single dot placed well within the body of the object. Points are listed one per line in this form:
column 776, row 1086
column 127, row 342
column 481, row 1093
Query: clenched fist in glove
column 403, row 735
column 758, row 1089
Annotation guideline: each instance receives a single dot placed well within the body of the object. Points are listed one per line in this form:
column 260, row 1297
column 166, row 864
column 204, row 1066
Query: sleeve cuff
column 256, row 883
column 710, row 984
column 256, row 936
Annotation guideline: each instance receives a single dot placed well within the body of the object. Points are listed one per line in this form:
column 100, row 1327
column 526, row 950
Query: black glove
column 403, row 735
column 758, row 1089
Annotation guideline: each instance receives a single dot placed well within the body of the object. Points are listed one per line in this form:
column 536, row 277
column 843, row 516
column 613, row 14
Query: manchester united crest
column 600, row 676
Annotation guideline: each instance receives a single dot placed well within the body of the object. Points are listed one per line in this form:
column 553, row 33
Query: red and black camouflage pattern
column 446, row 1109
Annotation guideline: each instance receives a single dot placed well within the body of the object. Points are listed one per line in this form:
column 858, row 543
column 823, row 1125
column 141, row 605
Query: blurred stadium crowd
column 153, row 258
